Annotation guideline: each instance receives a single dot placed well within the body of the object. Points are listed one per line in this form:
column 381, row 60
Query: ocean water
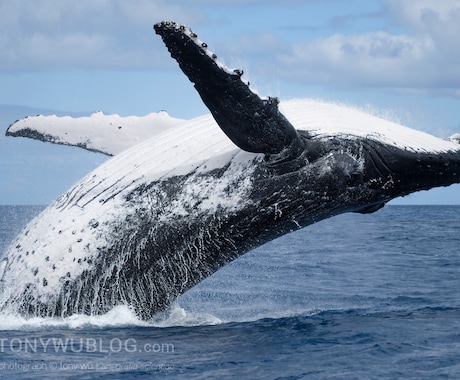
column 353, row 297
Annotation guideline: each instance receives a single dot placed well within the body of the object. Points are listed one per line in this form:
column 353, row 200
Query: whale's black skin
column 145, row 254
column 253, row 124
column 176, row 256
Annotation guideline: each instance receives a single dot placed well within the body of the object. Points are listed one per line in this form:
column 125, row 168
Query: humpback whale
column 157, row 218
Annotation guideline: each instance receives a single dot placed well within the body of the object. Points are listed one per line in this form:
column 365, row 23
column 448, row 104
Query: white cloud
column 58, row 35
column 426, row 57
column 416, row 14
column 50, row 34
column 439, row 20
column 375, row 59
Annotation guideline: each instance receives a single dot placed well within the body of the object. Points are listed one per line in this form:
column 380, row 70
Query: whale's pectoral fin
column 252, row 123
column 106, row 134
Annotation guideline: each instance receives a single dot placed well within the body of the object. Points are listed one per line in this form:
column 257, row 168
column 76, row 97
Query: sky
column 399, row 59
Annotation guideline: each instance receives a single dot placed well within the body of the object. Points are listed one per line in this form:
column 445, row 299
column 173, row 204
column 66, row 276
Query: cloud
column 49, row 34
column 439, row 20
column 371, row 59
column 417, row 14
column 414, row 48
column 423, row 58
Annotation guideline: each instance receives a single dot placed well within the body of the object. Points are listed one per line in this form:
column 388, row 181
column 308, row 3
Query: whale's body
column 157, row 218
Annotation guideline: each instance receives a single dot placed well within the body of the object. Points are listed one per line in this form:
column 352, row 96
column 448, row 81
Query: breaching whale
column 159, row 217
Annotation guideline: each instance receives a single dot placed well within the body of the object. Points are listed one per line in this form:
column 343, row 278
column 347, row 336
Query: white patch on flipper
column 109, row 134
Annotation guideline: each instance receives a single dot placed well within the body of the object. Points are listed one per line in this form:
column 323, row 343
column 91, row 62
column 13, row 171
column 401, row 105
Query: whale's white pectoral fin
column 107, row 134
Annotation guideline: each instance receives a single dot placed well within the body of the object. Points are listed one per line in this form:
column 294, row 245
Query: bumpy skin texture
column 253, row 124
column 142, row 242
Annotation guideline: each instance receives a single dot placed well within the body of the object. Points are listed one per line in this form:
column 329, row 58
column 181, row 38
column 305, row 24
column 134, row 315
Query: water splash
column 120, row 316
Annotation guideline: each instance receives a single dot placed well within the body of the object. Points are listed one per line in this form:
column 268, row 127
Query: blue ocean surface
column 352, row 297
